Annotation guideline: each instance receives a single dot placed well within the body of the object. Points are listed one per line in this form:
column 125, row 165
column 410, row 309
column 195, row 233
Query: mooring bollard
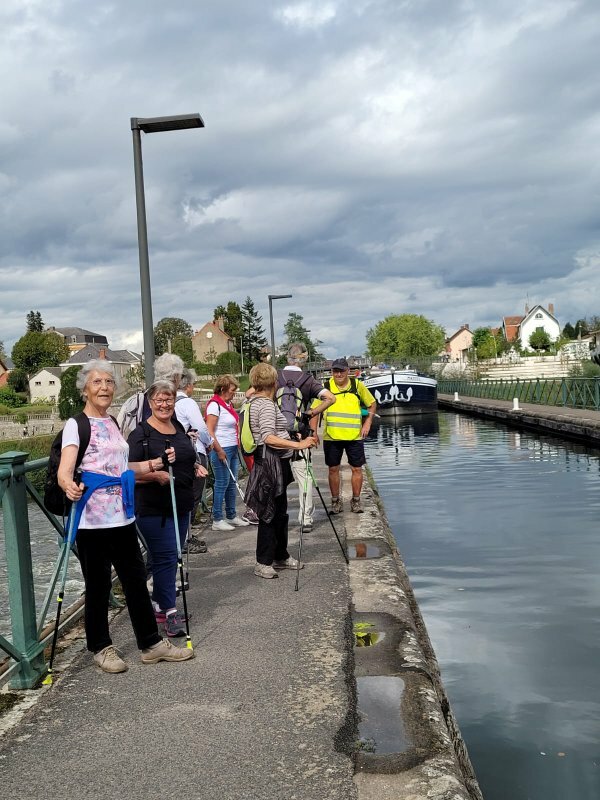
column 515, row 404
column 455, row 397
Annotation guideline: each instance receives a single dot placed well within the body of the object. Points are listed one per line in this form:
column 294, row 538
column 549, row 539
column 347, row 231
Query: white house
column 45, row 385
column 122, row 360
column 538, row 319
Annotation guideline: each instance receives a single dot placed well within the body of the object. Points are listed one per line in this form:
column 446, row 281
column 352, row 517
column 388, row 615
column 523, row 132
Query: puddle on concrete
column 380, row 728
column 367, row 635
column 363, row 550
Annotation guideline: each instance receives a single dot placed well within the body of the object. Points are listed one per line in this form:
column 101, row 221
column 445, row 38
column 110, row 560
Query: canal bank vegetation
column 405, row 337
column 37, row 447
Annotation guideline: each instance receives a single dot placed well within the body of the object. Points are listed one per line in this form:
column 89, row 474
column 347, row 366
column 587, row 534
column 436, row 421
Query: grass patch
column 8, row 700
column 37, row 447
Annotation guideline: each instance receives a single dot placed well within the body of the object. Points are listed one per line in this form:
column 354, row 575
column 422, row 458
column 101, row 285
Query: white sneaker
column 237, row 522
column 221, row 525
column 264, row 571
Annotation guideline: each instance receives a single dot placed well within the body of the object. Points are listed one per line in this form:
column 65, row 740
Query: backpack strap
column 146, row 440
column 84, row 430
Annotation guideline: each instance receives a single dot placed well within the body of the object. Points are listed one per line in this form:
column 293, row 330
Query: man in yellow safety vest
column 345, row 431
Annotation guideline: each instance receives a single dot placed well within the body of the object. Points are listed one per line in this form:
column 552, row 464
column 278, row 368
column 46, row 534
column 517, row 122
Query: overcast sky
column 369, row 156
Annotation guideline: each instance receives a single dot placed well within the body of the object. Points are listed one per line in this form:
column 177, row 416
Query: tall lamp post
column 271, row 298
column 150, row 125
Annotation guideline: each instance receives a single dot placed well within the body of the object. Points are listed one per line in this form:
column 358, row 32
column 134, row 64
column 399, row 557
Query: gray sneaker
column 165, row 651
column 336, row 505
column 265, row 571
column 175, row 625
column 109, row 660
column 355, row 505
column 288, row 563
column 195, row 545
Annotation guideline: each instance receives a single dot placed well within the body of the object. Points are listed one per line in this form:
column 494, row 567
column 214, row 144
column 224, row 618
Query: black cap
column 340, row 363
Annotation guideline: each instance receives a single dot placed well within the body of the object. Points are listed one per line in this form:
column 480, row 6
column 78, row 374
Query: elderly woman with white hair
column 167, row 367
column 106, row 534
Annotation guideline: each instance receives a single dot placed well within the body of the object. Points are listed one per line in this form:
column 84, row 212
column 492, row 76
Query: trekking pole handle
column 166, row 463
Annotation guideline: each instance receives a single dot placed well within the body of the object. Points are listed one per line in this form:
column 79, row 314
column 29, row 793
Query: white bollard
column 515, row 404
column 455, row 397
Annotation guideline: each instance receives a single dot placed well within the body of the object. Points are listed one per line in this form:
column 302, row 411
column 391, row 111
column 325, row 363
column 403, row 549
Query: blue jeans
column 162, row 547
column 224, row 488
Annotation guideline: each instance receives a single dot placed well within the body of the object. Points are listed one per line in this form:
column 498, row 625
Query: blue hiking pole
column 64, row 554
column 188, row 638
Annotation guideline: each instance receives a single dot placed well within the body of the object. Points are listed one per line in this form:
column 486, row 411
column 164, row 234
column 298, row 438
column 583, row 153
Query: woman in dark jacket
column 267, row 488
column 154, row 509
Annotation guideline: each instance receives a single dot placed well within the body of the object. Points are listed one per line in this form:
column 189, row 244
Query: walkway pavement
column 264, row 710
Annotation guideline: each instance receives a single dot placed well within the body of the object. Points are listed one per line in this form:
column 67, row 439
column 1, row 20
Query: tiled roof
column 80, row 333
column 92, row 351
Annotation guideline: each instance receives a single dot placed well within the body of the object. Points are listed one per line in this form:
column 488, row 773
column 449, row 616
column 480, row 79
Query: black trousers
column 198, row 487
column 272, row 537
column 98, row 549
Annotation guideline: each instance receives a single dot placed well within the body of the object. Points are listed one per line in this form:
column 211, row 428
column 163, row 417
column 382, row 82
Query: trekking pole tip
column 48, row 680
column 189, row 644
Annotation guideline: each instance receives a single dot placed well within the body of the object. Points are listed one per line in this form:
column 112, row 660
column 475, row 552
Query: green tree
column 34, row 322
column 17, row 380
column 229, row 362
column 254, row 333
column 233, row 320
column 569, row 331
column 172, row 328
column 2, row 350
column 8, row 397
column 581, row 328
column 70, row 401
column 295, row 331
column 405, row 336
column 37, row 349
column 539, row 340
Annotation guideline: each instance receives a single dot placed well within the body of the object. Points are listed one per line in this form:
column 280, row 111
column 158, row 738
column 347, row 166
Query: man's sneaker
column 221, row 525
column 165, row 651
column 265, row 571
column 355, row 505
column 251, row 517
column 195, row 545
column 174, row 626
column 336, row 505
column 109, row 660
column 238, row 522
column 288, row 563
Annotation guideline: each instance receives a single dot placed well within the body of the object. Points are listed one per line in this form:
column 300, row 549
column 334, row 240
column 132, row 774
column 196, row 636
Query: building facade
column 210, row 341
column 45, row 385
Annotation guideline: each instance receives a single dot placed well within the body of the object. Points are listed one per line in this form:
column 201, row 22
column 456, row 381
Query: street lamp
column 150, row 125
column 271, row 298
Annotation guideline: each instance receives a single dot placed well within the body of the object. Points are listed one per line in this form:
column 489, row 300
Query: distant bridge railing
column 570, row 392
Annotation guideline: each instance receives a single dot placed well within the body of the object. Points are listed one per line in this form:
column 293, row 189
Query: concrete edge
column 555, row 424
column 437, row 766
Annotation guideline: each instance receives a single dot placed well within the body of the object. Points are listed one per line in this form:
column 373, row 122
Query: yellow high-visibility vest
column 342, row 420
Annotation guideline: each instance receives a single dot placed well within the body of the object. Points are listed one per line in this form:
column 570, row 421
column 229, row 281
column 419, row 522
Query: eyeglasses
column 108, row 382
column 163, row 402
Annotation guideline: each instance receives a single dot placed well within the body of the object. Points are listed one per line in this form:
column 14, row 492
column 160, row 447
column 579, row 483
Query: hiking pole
column 303, row 509
column 235, row 481
column 316, row 485
column 188, row 638
column 65, row 552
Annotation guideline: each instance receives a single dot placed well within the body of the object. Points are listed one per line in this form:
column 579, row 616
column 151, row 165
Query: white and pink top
column 107, row 454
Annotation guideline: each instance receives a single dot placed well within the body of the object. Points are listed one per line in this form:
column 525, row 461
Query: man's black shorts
column 355, row 450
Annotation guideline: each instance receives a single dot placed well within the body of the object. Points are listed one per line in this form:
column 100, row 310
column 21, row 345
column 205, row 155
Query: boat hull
column 402, row 392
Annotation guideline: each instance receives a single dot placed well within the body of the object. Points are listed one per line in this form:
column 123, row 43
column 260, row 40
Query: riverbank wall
column 580, row 425
column 329, row 692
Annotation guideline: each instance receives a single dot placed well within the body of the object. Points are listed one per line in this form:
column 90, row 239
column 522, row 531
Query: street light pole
column 150, row 125
column 271, row 298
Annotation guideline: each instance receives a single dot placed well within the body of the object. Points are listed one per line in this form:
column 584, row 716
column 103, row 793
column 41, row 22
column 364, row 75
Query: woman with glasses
column 154, row 503
column 106, row 534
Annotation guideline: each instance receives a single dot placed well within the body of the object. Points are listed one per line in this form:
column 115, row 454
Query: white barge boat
column 402, row 391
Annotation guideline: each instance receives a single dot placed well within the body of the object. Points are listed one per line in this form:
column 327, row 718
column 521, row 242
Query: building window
column 38, row 383
column 539, row 315
column 51, row 383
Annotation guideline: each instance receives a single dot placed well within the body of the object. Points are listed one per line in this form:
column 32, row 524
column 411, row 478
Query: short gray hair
column 97, row 365
column 168, row 367
column 161, row 386
column 297, row 354
column 188, row 378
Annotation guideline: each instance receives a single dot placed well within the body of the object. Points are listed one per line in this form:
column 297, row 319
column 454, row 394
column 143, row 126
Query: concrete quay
column 279, row 703
column 580, row 425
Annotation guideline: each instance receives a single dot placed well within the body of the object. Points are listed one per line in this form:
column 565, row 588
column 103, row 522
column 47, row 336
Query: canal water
column 45, row 551
column 500, row 532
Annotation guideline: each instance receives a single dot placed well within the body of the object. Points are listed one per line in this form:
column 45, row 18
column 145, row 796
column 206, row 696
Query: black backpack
column 55, row 499
column 290, row 400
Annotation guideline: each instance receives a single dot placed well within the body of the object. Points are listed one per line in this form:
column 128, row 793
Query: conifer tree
column 253, row 332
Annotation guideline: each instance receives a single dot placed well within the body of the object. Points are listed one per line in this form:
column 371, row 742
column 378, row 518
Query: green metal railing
column 27, row 646
column 569, row 392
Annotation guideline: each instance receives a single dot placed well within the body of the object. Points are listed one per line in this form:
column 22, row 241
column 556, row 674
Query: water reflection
column 499, row 530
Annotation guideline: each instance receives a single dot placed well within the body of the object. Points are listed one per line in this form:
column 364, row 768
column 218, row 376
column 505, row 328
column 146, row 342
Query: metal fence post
column 20, row 575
